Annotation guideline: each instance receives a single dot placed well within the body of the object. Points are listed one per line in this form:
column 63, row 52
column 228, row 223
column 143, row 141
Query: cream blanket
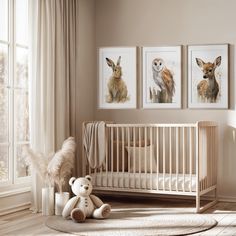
column 94, row 143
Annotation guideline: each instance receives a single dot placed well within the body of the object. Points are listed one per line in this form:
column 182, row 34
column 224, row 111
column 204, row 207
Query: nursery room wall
column 166, row 23
column 86, row 69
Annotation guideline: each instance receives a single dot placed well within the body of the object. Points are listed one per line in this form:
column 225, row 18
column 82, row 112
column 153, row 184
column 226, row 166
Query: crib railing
column 162, row 158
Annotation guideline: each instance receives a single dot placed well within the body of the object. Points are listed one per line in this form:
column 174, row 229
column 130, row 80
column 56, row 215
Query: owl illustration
column 163, row 78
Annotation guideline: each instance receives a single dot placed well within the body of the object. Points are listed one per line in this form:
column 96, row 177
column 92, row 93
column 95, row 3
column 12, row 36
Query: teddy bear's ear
column 88, row 177
column 72, row 180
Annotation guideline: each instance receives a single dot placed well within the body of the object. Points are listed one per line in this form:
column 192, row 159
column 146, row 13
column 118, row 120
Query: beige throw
column 94, row 143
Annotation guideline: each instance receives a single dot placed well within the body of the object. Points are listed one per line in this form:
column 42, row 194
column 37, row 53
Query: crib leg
column 198, row 203
column 200, row 209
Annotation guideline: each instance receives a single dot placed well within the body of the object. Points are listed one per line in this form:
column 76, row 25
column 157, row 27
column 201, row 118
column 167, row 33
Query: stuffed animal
column 84, row 205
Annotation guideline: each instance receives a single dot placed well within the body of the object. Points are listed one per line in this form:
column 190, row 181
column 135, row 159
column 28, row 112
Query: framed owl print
column 161, row 81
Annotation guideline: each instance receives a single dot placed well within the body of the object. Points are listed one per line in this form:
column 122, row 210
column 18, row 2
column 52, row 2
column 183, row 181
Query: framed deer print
column 117, row 78
column 208, row 76
column 161, row 77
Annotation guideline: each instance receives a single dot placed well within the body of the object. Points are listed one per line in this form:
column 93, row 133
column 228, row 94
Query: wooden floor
column 26, row 223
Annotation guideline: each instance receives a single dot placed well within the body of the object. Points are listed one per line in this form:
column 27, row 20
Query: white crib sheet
column 145, row 181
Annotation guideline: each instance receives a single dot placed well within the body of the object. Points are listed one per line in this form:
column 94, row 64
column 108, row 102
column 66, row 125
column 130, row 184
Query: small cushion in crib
column 120, row 146
column 137, row 158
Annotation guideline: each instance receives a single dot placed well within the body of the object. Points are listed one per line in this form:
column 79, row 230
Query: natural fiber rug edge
column 155, row 225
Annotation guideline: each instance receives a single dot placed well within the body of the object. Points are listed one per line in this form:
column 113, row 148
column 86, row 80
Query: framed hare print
column 117, row 78
column 208, row 76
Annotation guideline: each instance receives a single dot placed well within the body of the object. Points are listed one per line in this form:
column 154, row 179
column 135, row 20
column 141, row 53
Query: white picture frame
column 117, row 91
column 161, row 83
column 208, row 76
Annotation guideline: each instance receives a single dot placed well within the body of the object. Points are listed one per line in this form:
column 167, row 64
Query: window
column 14, row 105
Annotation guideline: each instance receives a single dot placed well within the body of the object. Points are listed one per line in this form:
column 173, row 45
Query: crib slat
column 112, row 156
column 123, row 155
column 210, row 157
column 158, row 156
column 139, row 157
column 208, row 154
column 145, row 155
column 204, row 153
column 95, row 170
column 197, row 168
column 211, row 163
column 216, row 140
column 129, row 154
column 100, row 171
column 215, row 153
column 164, row 156
column 211, row 150
column 177, row 158
column 204, row 159
column 106, row 155
column 117, row 150
column 191, row 157
column 200, row 158
column 184, row 157
column 134, row 155
column 151, row 156
column 170, row 159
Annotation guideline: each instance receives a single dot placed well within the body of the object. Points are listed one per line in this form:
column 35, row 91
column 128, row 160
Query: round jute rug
column 138, row 223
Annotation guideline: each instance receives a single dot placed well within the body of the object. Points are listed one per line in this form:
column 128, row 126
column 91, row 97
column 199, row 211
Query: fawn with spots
column 208, row 88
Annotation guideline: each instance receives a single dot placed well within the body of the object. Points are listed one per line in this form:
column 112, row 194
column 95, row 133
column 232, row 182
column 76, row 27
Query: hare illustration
column 117, row 89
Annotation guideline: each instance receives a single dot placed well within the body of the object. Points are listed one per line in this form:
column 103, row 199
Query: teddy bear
column 84, row 205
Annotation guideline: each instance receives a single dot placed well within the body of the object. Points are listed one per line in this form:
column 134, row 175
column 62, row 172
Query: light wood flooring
column 26, row 223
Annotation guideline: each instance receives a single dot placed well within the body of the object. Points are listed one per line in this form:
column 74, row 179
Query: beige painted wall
column 179, row 22
column 86, row 69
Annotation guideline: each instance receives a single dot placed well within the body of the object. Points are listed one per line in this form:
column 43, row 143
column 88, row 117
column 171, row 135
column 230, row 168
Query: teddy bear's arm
column 97, row 201
column 70, row 206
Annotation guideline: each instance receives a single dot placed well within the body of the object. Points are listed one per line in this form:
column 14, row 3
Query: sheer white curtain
column 52, row 77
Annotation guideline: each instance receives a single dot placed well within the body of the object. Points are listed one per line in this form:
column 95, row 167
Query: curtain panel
column 52, row 78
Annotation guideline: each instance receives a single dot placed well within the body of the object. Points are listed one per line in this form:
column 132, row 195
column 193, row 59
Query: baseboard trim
column 226, row 199
column 15, row 208
column 15, row 192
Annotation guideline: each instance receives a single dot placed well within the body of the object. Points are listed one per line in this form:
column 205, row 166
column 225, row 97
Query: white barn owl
column 163, row 78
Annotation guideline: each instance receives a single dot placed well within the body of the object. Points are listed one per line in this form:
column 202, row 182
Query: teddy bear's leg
column 102, row 212
column 77, row 215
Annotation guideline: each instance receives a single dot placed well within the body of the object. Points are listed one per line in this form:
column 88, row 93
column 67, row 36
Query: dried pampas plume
column 37, row 162
column 60, row 167
column 53, row 168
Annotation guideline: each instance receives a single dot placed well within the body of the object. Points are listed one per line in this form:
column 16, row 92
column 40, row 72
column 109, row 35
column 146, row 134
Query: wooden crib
column 178, row 159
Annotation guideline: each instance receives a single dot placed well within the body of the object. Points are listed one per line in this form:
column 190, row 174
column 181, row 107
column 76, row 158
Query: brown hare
column 117, row 89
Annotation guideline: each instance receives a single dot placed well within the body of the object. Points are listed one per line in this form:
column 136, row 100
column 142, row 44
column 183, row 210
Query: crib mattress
column 165, row 182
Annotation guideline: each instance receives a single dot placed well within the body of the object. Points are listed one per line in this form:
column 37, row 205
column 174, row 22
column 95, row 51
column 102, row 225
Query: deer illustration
column 208, row 88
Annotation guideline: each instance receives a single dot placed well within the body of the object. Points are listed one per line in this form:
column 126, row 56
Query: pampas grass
column 62, row 163
column 53, row 169
column 37, row 162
